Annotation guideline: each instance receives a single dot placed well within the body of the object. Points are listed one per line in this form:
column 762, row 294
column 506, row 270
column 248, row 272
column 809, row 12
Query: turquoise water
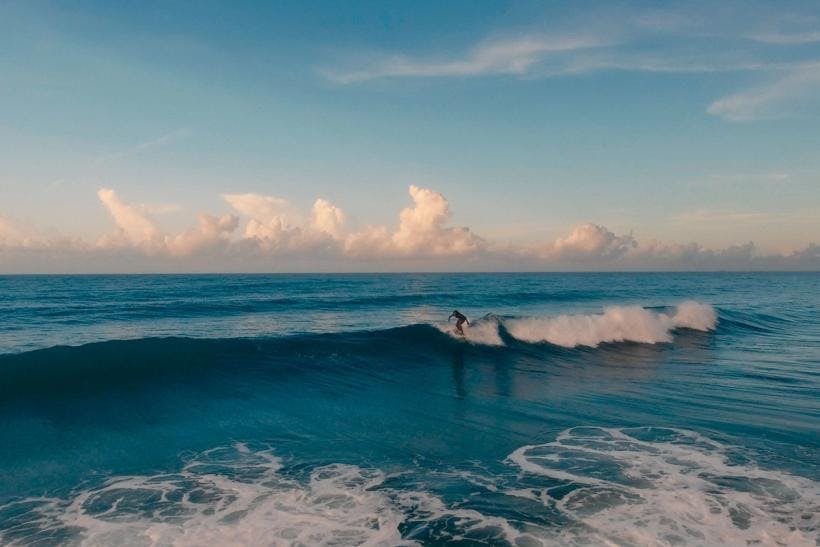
column 342, row 409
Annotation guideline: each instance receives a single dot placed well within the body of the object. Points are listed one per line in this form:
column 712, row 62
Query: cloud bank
column 267, row 233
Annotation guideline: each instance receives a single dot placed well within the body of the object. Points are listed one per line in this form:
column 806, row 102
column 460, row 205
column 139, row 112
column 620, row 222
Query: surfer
column 460, row 320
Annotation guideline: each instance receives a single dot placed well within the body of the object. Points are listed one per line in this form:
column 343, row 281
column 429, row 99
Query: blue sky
column 669, row 124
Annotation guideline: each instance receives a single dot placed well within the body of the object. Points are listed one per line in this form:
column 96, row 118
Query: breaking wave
column 94, row 367
column 615, row 324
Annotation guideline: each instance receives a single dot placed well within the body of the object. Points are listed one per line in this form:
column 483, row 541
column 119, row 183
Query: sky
column 165, row 136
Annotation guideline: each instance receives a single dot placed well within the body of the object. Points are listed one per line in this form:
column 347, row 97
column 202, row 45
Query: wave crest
column 615, row 324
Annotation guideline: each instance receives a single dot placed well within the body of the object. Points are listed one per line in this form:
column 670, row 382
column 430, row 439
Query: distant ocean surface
column 620, row 409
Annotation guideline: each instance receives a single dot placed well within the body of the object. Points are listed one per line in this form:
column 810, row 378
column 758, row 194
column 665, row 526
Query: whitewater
column 577, row 409
column 615, row 324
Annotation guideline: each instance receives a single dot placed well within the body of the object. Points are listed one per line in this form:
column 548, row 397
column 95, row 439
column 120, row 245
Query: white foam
column 237, row 496
column 678, row 489
column 602, row 486
column 616, row 324
column 482, row 331
column 240, row 499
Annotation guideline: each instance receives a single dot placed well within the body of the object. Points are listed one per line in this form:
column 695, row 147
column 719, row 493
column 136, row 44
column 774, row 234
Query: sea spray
column 616, row 324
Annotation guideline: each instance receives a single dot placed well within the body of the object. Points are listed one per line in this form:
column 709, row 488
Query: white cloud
column 654, row 41
column 276, row 225
column 328, row 219
column 700, row 216
column 136, row 229
column 788, row 39
column 682, row 39
column 15, row 234
column 133, row 225
column 265, row 209
column 589, row 242
column 212, row 233
column 782, row 97
column 165, row 139
column 276, row 232
column 21, row 237
column 772, row 177
column 422, row 231
column 514, row 56
column 422, row 228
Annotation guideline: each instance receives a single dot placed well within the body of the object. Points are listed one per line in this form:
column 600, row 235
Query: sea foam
column 659, row 486
column 239, row 496
column 591, row 485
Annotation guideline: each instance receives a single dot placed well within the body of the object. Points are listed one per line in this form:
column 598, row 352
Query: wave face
column 89, row 367
column 344, row 410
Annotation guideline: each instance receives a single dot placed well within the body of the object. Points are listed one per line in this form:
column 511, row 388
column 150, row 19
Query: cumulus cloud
column 265, row 210
column 422, row 231
column 211, row 233
column 15, row 234
column 136, row 229
column 277, row 234
column 274, row 224
column 133, row 225
column 328, row 219
column 589, row 242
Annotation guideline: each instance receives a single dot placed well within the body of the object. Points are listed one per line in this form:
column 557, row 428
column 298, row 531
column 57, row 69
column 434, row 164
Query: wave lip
column 616, row 324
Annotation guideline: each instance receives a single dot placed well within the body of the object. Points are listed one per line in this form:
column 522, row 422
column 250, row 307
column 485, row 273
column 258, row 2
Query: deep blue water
column 635, row 409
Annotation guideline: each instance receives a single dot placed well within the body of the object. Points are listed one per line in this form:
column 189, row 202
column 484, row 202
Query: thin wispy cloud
column 165, row 139
column 513, row 56
column 655, row 42
column 723, row 216
column 766, row 178
column 780, row 98
column 787, row 38
column 622, row 43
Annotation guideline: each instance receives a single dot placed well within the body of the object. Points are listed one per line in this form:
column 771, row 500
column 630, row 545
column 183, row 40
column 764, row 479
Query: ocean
column 618, row 409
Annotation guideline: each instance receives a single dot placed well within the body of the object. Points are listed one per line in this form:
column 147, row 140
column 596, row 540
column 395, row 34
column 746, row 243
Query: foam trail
column 658, row 486
column 616, row 324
